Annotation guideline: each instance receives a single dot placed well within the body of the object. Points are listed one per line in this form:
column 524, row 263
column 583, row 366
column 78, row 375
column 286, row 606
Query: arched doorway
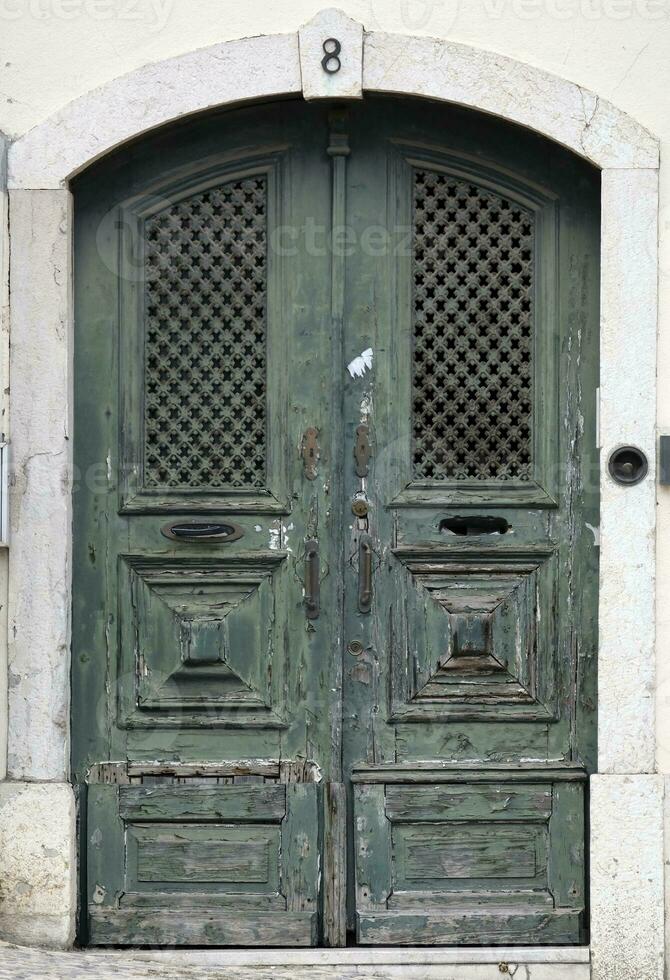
column 334, row 586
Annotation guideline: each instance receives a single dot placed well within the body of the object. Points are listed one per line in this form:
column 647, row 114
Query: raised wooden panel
column 426, row 857
column 156, row 803
column 473, row 633
column 185, row 854
column 199, row 639
column 457, row 801
column 471, row 928
column 244, row 859
column 445, row 863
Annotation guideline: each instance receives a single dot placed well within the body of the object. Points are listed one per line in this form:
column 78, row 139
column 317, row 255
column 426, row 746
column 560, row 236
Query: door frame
column 626, row 858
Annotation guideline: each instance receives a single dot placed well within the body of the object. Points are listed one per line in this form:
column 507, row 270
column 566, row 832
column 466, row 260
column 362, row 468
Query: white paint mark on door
column 360, row 364
column 99, row 893
column 275, row 537
column 595, row 531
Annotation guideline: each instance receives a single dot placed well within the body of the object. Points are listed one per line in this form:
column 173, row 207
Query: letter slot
column 474, row 525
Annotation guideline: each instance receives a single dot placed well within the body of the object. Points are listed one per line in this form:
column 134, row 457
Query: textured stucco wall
column 4, row 362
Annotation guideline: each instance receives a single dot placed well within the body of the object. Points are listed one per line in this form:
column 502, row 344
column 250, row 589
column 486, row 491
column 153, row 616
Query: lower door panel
column 203, row 865
column 470, row 863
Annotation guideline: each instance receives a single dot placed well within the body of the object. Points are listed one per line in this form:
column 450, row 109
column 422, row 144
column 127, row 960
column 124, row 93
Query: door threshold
column 381, row 963
column 359, row 956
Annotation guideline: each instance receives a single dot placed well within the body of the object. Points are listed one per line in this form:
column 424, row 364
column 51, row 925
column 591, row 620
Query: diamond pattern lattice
column 473, row 314
column 205, row 340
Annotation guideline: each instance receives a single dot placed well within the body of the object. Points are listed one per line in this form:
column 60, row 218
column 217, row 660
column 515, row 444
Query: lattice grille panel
column 205, row 340
column 472, row 391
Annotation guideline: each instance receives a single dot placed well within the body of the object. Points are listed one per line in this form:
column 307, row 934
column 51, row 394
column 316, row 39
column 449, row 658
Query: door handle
column 201, row 531
column 364, row 573
column 312, row 575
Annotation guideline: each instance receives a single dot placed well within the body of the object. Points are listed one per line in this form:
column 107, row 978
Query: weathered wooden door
column 469, row 685
column 334, row 623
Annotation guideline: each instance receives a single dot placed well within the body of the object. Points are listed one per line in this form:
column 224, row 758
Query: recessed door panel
column 208, row 865
column 453, row 861
column 465, row 635
column 200, row 643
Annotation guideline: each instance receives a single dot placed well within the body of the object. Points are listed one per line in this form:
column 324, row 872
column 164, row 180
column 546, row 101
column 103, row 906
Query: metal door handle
column 364, row 573
column 201, row 531
column 312, row 574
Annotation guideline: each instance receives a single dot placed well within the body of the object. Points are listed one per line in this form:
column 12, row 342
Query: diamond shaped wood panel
column 200, row 643
column 474, row 635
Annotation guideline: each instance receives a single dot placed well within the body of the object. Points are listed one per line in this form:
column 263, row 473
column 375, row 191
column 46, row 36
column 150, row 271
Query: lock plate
column 362, row 450
column 310, row 452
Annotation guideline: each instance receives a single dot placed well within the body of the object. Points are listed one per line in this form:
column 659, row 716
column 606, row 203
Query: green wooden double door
column 335, row 578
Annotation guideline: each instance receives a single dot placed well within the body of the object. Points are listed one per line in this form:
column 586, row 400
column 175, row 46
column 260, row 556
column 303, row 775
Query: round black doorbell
column 628, row 465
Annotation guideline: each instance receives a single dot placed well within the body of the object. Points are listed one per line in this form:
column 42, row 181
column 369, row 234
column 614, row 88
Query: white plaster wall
column 37, row 864
column 53, row 50
column 41, row 518
column 4, row 384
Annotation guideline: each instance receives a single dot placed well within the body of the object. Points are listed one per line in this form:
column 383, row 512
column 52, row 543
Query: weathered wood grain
column 192, row 899
column 300, row 856
column 501, row 802
column 335, row 865
column 465, row 852
column 426, row 772
column 468, row 928
column 186, row 854
column 256, row 803
column 201, row 927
